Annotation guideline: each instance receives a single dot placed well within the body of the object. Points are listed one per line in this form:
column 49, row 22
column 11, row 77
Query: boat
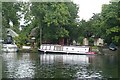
column 9, row 48
column 9, row 45
column 50, row 48
column 112, row 47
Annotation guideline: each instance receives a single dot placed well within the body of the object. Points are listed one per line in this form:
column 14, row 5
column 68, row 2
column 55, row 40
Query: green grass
column 94, row 47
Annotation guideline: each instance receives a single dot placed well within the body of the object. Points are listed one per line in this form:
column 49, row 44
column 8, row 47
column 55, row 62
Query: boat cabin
column 64, row 49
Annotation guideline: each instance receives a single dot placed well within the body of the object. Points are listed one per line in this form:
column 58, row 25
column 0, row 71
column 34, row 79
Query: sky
column 88, row 7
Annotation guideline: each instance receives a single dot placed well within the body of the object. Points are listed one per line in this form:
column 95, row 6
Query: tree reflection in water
column 35, row 65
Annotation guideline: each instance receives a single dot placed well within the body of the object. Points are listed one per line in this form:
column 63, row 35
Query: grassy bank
column 96, row 49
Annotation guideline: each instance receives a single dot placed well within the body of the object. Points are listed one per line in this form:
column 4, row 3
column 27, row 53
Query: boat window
column 49, row 47
column 72, row 49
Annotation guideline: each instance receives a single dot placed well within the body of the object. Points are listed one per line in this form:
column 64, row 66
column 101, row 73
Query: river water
column 37, row 65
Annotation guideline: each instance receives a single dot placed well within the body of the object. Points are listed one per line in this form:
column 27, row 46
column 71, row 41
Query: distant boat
column 9, row 45
column 9, row 48
column 112, row 47
column 50, row 48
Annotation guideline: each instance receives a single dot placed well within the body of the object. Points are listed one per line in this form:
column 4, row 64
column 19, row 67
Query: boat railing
column 50, row 47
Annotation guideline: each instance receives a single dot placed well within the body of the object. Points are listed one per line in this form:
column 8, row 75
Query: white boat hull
column 9, row 48
column 65, row 49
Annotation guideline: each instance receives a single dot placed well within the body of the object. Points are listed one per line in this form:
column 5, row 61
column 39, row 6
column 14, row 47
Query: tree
column 110, row 22
column 104, row 24
column 54, row 19
column 9, row 13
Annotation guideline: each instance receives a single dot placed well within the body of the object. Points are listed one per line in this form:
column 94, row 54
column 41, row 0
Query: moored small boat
column 65, row 49
column 9, row 44
column 9, row 48
column 112, row 47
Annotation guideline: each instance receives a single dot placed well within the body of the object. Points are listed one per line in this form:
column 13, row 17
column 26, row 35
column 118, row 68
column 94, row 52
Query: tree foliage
column 9, row 14
column 104, row 24
column 54, row 19
column 110, row 20
column 59, row 20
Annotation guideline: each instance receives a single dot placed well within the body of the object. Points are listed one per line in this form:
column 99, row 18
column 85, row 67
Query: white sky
column 88, row 7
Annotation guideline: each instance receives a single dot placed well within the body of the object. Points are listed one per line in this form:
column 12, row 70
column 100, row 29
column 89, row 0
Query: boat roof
column 65, row 45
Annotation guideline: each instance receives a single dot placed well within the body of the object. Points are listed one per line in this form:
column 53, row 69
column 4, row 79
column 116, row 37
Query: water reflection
column 76, row 65
column 35, row 65
column 64, row 59
column 18, row 68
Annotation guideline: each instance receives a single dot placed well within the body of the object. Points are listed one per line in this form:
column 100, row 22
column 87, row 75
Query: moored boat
column 112, row 47
column 9, row 48
column 9, row 44
column 65, row 49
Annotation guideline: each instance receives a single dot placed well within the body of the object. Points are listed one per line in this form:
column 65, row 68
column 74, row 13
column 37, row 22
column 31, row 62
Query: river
column 37, row 65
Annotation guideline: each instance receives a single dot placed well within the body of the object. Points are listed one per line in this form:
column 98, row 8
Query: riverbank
column 104, row 50
column 33, row 50
column 97, row 49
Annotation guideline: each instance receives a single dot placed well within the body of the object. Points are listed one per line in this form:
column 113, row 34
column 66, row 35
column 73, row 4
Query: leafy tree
column 9, row 13
column 54, row 19
column 110, row 22
column 104, row 24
